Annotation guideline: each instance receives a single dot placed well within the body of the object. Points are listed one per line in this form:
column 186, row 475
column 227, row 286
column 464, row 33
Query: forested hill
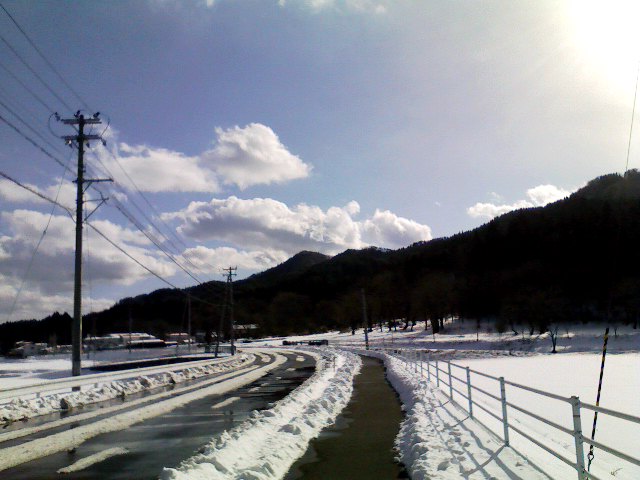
column 577, row 258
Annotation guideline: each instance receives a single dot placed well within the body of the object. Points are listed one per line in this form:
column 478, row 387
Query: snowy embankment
column 437, row 441
column 118, row 419
column 24, row 408
column 265, row 446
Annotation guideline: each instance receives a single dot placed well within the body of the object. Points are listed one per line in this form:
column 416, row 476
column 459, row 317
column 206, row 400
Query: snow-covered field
column 566, row 375
column 266, row 445
column 436, row 439
column 17, row 372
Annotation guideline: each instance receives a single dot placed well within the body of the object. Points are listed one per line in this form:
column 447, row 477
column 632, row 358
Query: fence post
column 505, row 421
column 421, row 365
column 450, row 382
column 577, row 435
column 415, row 361
column 437, row 374
column 428, row 370
column 469, row 392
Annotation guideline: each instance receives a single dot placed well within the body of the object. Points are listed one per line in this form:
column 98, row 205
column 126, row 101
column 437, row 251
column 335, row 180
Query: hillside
column 577, row 258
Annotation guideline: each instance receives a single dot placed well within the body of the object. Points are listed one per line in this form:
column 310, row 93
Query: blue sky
column 259, row 128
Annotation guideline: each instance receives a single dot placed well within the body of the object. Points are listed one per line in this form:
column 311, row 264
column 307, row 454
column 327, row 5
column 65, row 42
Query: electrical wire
column 21, row 120
column 49, row 64
column 35, row 251
column 23, row 85
column 35, row 74
column 132, row 218
column 37, row 193
column 111, row 242
column 633, row 114
column 34, row 143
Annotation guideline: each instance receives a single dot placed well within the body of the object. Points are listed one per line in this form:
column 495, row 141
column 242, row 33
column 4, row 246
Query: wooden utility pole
column 189, row 323
column 364, row 319
column 230, row 274
column 79, row 140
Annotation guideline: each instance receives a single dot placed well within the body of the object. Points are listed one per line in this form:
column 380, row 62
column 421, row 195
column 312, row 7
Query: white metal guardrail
column 67, row 383
column 460, row 389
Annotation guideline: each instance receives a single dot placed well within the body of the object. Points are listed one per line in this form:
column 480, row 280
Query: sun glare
column 608, row 33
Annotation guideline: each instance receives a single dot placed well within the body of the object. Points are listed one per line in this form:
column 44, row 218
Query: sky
column 240, row 132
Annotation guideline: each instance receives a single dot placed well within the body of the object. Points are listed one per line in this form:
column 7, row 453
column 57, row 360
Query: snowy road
column 137, row 438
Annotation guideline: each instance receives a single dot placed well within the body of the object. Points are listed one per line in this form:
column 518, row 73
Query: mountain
column 577, row 258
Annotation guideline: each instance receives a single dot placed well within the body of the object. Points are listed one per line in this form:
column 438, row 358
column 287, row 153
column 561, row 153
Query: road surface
column 144, row 447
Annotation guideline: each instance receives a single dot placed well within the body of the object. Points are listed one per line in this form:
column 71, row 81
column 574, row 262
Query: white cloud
column 264, row 223
column 33, row 303
column 161, row 170
column 212, row 260
column 536, row 197
column 385, row 229
column 52, row 270
column 241, row 156
column 368, row 6
column 13, row 193
column 253, row 155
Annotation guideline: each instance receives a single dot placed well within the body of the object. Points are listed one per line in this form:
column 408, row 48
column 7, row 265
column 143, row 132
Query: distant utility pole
column 189, row 322
column 230, row 274
column 364, row 319
column 79, row 140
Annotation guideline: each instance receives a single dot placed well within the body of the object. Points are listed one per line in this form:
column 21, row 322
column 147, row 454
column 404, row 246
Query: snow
column 567, row 375
column 161, row 403
column 18, row 372
column 93, row 459
column 24, row 408
column 436, row 440
column 265, row 446
column 462, row 336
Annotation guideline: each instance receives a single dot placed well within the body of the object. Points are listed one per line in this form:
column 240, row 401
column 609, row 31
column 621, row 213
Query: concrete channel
column 359, row 446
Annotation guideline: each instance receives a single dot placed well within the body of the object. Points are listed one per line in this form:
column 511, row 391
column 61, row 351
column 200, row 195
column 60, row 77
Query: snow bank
column 24, row 408
column 265, row 446
column 436, row 440
column 149, row 407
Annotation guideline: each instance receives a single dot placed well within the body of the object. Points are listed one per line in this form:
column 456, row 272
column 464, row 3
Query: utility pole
column 130, row 328
column 189, row 322
column 79, row 140
column 230, row 274
column 364, row 319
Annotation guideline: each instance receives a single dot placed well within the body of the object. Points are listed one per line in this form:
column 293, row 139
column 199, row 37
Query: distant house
column 29, row 349
column 246, row 330
column 179, row 338
column 114, row 341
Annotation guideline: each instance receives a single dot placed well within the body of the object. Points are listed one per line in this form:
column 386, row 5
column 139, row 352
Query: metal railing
column 462, row 388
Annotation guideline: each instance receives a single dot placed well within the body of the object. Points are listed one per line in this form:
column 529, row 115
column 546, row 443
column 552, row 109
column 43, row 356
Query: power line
column 34, row 143
column 35, row 74
column 633, row 114
column 132, row 218
column 37, row 193
column 49, row 64
column 111, row 242
column 21, row 120
column 35, row 251
column 147, row 218
column 23, row 85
